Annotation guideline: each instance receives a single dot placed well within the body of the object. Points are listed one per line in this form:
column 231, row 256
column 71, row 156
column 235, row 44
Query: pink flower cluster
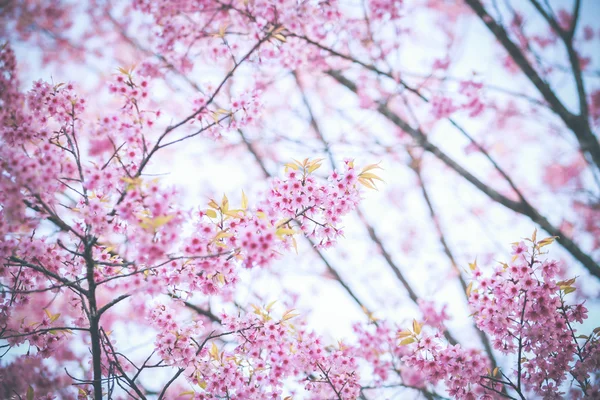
column 259, row 356
column 59, row 102
column 460, row 369
column 174, row 342
column 433, row 315
column 50, row 382
column 120, row 235
column 317, row 207
column 376, row 346
column 444, row 106
column 525, row 310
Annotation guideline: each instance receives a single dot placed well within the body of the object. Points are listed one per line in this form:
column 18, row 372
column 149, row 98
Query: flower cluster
column 261, row 353
column 433, row 316
column 444, row 106
column 93, row 247
column 525, row 310
column 122, row 236
column 319, row 207
column 174, row 342
column 59, row 102
column 461, row 369
column 376, row 345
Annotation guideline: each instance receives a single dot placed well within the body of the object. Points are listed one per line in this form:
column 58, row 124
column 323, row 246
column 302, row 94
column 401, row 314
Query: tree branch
column 521, row 207
column 579, row 124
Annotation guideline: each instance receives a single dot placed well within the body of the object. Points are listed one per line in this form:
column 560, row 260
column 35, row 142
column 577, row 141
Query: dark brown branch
column 313, row 121
column 521, row 207
column 567, row 38
column 208, row 102
column 388, row 259
column 336, row 275
column 425, row 99
column 50, row 274
column 416, row 167
column 117, row 364
column 579, row 124
column 112, row 303
column 45, row 330
column 328, row 265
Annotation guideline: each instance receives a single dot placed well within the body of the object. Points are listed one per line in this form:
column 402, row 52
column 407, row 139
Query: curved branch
column 579, row 124
column 521, row 207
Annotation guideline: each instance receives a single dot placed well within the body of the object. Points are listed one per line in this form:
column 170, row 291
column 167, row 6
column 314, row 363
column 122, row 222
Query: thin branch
column 521, row 207
column 48, row 273
column 112, row 303
column 416, row 167
column 579, row 124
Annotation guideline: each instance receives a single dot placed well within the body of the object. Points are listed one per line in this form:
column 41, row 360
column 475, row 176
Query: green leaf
column 211, row 213
column 244, row 201
column 469, row 288
column 408, row 341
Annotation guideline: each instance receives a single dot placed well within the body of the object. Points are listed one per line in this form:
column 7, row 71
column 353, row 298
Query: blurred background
column 433, row 64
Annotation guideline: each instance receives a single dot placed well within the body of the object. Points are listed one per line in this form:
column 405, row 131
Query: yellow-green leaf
column 30, row 393
column 270, row 305
column 156, row 222
column 244, row 201
column 547, row 241
column 314, row 167
column 222, row 235
column 408, row 341
column 366, row 183
column 473, row 265
column 289, row 315
column 132, row 183
column 568, row 282
column 279, row 37
column 370, row 167
column 369, row 175
column 583, row 337
column 416, row 327
column 292, row 166
column 224, row 204
column 213, row 204
column 284, row 231
column 233, row 213
column 222, row 31
column 211, row 213
column 257, row 309
column 214, row 351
